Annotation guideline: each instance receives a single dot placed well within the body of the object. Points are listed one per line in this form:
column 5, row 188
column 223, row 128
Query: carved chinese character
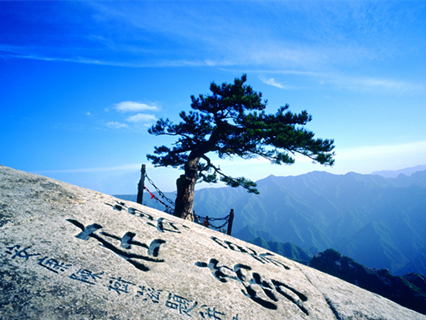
column 126, row 242
column 86, row 276
column 292, row 294
column 251, row 292
column 267, row 257
column 253, row 286
column 208, row 313
column 17, row 251
column 119, row 285
column 263, row 257
column 181, row 304
column 53, row 265
column 149, row 293
column 122, row 206
column 219, row 272
column 161, row 226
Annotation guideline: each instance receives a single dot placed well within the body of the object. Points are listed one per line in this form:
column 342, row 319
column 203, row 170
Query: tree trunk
column 186, row 189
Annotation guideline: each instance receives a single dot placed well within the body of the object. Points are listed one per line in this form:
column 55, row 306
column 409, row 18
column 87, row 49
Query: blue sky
column 82, row 81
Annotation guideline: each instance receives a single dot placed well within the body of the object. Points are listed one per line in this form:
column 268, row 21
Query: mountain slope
column 377, row 221
column 287, row 250
column 402, row 290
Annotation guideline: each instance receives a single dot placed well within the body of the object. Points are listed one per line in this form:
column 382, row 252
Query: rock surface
column 72, row 253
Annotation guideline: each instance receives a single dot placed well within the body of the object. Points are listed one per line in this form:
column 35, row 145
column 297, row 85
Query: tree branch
column 230, row 181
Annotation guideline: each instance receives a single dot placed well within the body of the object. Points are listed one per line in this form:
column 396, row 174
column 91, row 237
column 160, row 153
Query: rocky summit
column 71, row 253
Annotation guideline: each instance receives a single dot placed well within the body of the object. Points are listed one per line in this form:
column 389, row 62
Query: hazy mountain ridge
column 408, row 291
column 287, row 250
column 396, row 173
column 377, row 221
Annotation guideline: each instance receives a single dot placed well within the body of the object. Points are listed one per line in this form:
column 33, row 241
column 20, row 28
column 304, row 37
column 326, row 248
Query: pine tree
column 231, row 121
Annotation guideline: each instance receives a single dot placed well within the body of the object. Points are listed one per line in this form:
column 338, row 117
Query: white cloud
column 131, row 106
column 386, row 84
column 272, row 82
column 223, row 33
column 141, row 117
column 116, row 125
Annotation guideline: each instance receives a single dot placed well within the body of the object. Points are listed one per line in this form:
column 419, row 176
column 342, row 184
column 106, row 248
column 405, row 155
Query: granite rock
column 71, row 253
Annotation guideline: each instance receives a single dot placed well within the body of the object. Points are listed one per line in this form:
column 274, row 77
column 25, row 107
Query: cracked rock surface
column 71, row 253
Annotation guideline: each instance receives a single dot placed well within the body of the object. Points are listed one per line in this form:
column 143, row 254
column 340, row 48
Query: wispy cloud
column 141, row 117
column 274, row 83
column 339, row 80
column 116, row 125
column 310, row 35
column 28, row 53
column 385, row 84
column 131, row 106
column 369, row 83
column 318, row 37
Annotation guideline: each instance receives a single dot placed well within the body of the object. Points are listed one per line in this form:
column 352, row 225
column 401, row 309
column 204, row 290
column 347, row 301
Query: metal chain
column 161, row 194
column 156, row 198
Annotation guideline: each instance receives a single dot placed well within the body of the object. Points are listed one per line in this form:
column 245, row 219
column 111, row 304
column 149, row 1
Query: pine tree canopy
column 231, row 121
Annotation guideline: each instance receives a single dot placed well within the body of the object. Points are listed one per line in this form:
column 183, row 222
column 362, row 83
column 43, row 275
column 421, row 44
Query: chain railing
column 170, row 207
column 160, row 193
column 207, row 221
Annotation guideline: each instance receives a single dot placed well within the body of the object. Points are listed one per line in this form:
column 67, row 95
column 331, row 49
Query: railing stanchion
column 231, row 219
column 141, row 185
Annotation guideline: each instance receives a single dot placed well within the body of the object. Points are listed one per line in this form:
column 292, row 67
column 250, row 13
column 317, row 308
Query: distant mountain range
column 396, row 173
column 377, row 221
